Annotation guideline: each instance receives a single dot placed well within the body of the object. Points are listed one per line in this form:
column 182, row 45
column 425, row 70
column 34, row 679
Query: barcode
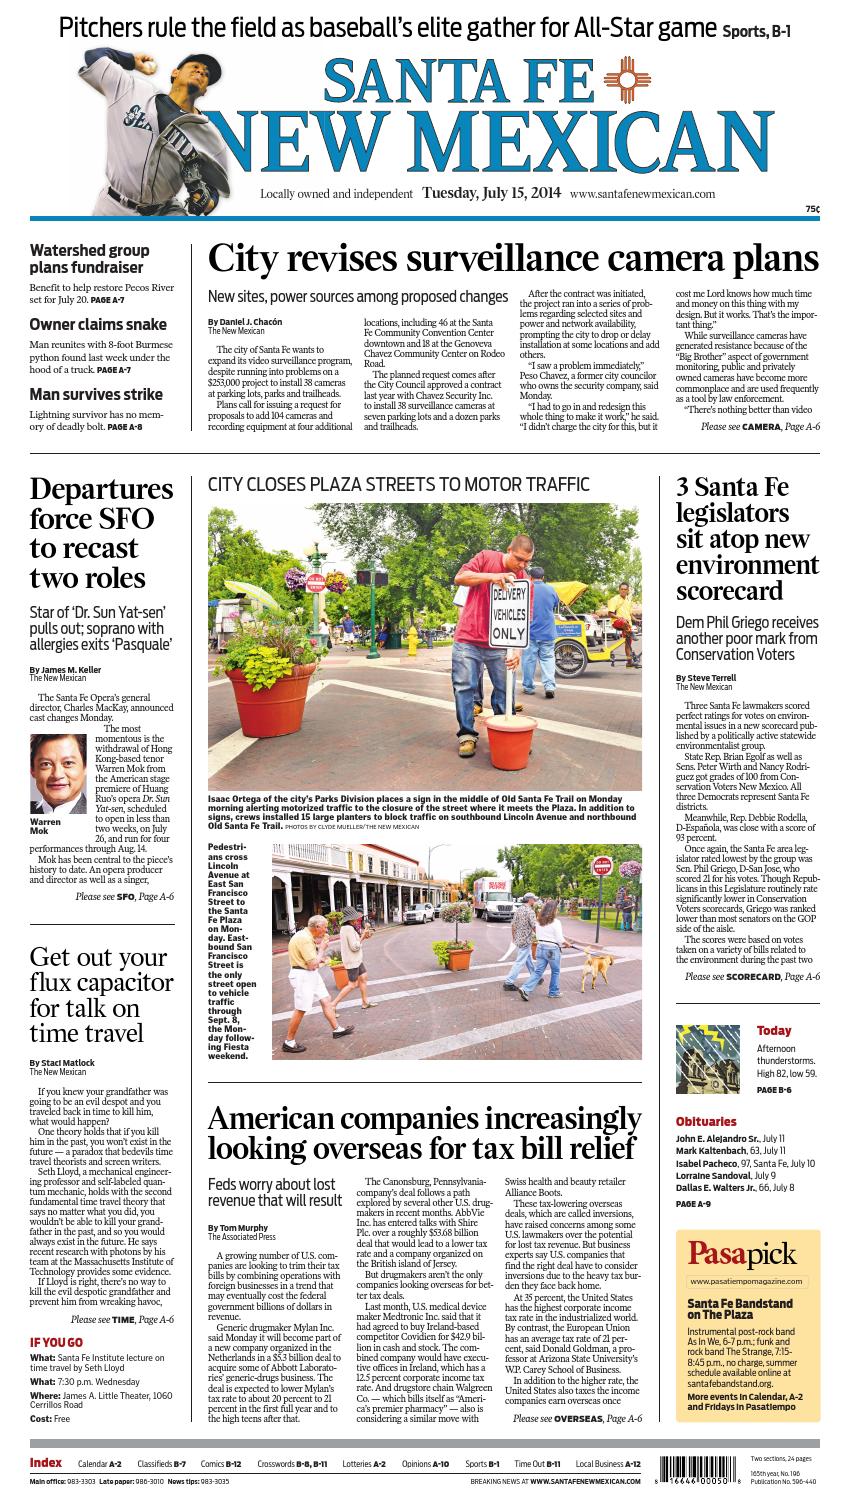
column 705, row 1467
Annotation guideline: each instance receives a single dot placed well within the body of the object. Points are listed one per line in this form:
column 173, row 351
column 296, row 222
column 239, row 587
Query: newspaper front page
column 425, row 594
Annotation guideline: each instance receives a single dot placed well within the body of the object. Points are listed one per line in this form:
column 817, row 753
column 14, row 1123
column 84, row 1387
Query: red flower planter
column 275, row 710
column 510, row 741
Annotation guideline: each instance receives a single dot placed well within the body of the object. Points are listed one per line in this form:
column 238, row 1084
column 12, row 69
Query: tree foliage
column 234, row 552
column 479, row 872
column 423, row 546
column 356, row 601
column 564, row 871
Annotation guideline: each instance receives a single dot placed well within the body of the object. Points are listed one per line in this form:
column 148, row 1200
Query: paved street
column 425, row 1013
column 390, row 724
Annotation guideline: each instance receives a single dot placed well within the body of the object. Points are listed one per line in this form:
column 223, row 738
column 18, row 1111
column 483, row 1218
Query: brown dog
column 595, row 966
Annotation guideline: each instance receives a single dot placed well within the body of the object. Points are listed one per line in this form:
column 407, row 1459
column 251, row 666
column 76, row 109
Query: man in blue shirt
column 542, row 635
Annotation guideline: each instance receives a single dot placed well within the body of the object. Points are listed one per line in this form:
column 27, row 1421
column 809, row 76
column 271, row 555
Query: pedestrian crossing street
column 539, row 1012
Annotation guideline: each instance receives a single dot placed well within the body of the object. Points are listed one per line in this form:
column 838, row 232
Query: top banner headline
column 488, row 134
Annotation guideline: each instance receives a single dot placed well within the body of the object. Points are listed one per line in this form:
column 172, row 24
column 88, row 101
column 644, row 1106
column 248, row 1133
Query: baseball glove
column 203, row 197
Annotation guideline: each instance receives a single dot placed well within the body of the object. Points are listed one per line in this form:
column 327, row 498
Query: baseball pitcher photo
column 159, row 146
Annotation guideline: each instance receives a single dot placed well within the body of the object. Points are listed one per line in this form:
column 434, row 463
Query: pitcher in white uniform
column 159, row 146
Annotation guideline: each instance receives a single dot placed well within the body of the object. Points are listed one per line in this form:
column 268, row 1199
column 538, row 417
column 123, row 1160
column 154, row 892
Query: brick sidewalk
column 390, row 725
column 423, row 1012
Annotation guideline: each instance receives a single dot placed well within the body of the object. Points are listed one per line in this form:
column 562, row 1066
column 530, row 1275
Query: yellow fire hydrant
column 412, row 639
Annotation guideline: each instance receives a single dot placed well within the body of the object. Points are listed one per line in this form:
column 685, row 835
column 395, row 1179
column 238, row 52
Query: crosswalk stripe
column 406, row 992
column 224, row 752
column 388, row 997
column 431, row 1048
column 566, row 687
column 484, row 966
column 407, row 976
column 563, row 729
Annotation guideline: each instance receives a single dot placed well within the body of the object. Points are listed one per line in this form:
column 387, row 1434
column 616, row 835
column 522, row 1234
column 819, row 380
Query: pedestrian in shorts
column 305, row 959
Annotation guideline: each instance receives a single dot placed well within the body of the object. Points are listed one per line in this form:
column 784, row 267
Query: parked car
column 418, row 914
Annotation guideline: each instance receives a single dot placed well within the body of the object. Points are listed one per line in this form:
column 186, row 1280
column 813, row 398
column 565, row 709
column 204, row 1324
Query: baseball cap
column 527, row 896
column 212, row 67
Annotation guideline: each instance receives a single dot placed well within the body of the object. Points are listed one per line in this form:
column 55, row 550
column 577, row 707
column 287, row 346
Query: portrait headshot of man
column 58, row 773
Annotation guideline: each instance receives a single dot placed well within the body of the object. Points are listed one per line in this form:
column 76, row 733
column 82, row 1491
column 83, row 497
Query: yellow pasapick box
column 748, row 1326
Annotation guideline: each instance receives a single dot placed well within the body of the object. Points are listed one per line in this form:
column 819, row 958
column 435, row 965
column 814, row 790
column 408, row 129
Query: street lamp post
column 369, row 577
column 315, row 561
column 435, row 848
column 374, row 653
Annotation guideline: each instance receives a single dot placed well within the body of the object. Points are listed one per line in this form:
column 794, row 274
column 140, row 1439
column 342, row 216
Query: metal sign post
column 372, row 579
column 600, row 867
column 373, row 651
column 510, row 623
column 315, row 561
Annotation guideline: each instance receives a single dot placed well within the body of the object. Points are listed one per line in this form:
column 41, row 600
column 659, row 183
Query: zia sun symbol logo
column 627, row 80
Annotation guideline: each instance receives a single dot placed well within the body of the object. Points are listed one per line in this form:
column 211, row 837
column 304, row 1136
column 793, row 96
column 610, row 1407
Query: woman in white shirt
column 550, row 938
column 351, row 949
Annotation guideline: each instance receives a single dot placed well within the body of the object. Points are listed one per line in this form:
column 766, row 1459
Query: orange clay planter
column 510, row 741
column 275, row 710
column 340, row 976
column 459, row 960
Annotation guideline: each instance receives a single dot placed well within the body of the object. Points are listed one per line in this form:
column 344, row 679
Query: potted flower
column 454, row 954
column 633, row 871
column 340, row 975
column 268, row 662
